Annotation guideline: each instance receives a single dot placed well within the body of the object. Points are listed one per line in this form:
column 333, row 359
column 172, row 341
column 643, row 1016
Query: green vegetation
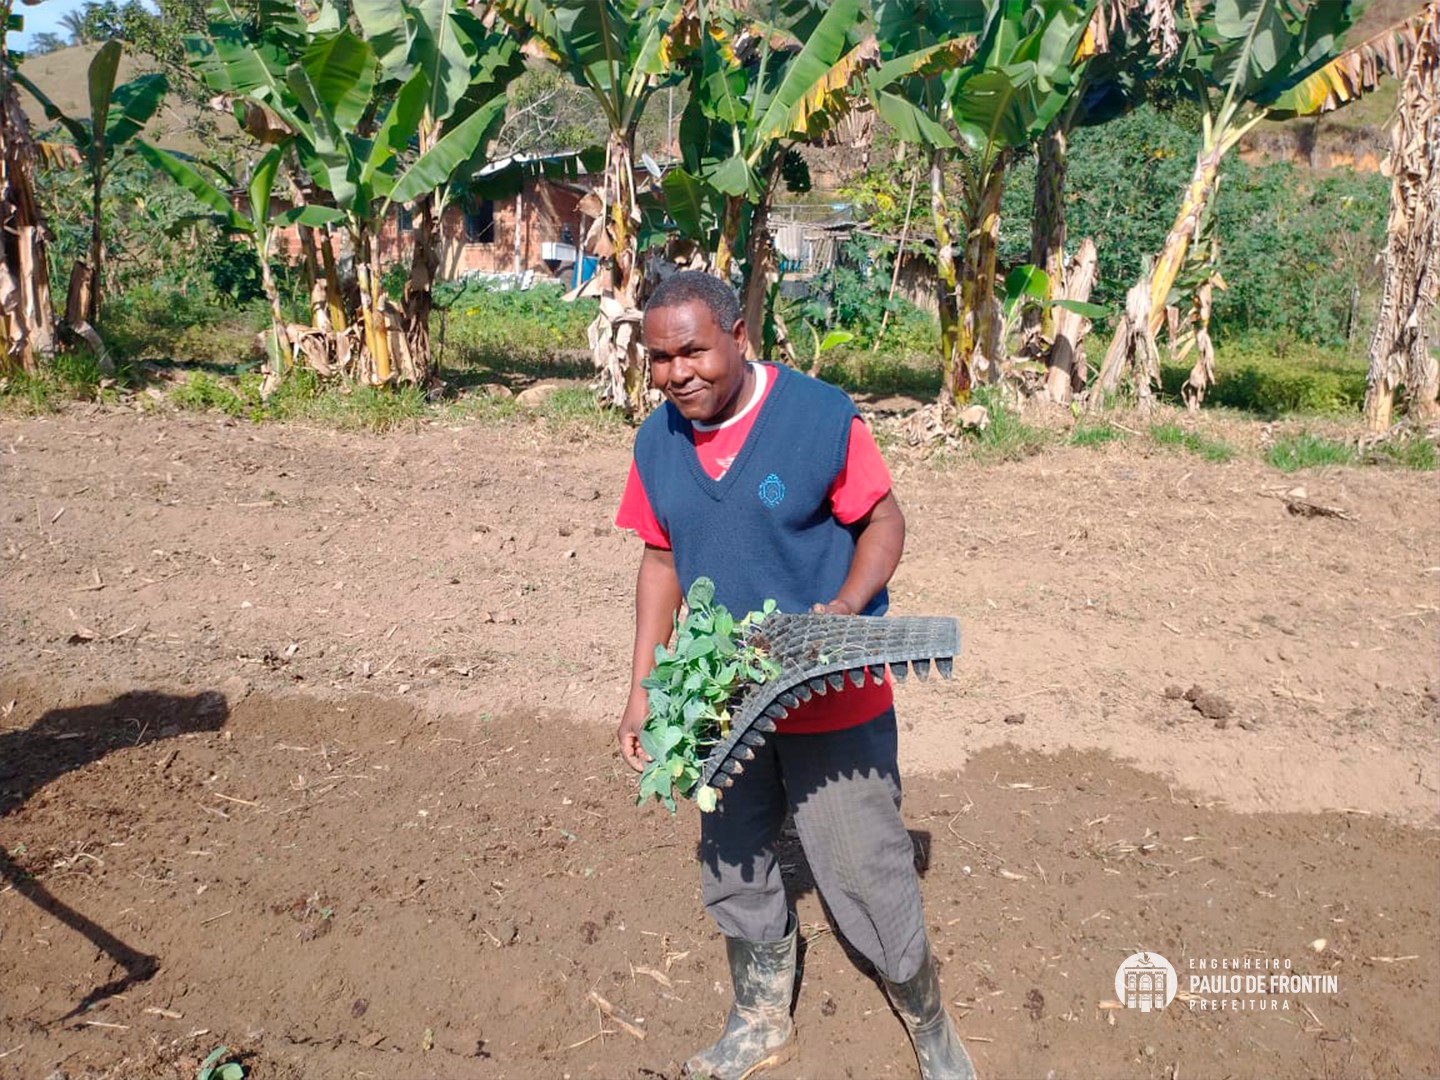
column 1306, row 451
column 690, row 691
column 861, row 371
column 1272, row 378
column 305, row 397
column 1413, row 453
column 1007, row 437
column 510, row 330
column 1092, row 433
column 1192, row 442
column 1298, row 249
column 1016, row 133
column 216, row 1067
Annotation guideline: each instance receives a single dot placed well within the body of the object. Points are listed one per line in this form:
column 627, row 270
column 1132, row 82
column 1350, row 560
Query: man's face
column 696, row 363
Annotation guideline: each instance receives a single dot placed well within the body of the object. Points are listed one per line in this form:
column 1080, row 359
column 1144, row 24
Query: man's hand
column 834, row 607
column 636, row 710
column 657, row 602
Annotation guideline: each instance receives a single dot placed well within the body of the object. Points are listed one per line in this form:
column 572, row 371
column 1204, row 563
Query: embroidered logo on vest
column 772, row 491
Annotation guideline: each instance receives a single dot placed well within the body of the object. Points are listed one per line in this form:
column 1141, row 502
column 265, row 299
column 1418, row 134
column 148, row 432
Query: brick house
column 537, row 230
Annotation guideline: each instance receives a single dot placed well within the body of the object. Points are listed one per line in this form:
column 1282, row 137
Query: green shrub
column 201, row 392
column 1272, row 376
column 866, row 372
column 852, row 295
column 1297, row 247
column 73, row 375
column 156, row 322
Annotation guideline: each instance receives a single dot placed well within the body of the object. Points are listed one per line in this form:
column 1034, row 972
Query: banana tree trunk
column 730, row 219
column 419, row 290
column 763, row 328
column 615, row 333
column 372, row 312
column 1047, row 229
column 279, row 350
column 314, row 282
column 954, row 375
column 981, row 350
column 1400, row 349
column 26, row 316
column 1202, row 374
column 334, row 299
column 1133, row 345
column 97, row 244
column 317, row 287
column 1065, row 363
column 1198, row 193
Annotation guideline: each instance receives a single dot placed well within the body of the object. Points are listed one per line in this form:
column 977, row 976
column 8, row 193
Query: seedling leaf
column 689, row 691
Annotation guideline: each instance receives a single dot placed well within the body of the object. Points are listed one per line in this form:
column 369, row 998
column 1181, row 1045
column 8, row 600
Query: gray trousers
column 843, row 788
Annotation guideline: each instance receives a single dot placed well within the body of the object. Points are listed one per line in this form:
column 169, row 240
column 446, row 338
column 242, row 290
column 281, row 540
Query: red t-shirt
column 862, row 482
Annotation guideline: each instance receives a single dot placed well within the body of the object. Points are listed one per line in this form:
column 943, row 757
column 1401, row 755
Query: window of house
column 406, row 221
column 479, row 221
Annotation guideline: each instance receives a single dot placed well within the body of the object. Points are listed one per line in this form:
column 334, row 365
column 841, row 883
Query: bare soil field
column 306, row 750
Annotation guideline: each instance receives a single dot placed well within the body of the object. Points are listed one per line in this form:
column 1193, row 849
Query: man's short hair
column 698, row 286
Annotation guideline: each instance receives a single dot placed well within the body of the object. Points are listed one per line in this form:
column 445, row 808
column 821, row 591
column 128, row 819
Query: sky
column 42, row 17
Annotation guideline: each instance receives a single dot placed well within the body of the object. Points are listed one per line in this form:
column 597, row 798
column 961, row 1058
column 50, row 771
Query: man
column 767, row 482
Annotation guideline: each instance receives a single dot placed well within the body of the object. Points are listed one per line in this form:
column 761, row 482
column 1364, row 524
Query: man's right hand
column 636, row 711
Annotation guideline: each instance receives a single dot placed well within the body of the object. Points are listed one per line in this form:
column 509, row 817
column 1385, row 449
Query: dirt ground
column 306, row 750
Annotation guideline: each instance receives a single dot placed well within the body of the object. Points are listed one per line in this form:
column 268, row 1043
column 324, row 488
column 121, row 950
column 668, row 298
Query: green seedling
column 690, row 692
column 215, row 1067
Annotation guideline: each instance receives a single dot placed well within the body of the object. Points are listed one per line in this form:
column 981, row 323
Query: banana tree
column 1021, row 74
column 758, row 88
column 117, row 115
column 1128, row 44
column 621, row 52
column 316, row 104
column 349, row 106
column 1400, row 347
column 1244, row 61
column 27, row 321
column 459, row 68
column 258, row 224
column 921, row 45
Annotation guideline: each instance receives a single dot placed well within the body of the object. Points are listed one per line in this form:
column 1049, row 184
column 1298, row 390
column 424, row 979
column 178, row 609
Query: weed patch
column 1415, row 453
column 1007, row 437
column 1176, row 437
column 1089, row 433
column 862, row 371
column 1307, row 451
column 501, row 331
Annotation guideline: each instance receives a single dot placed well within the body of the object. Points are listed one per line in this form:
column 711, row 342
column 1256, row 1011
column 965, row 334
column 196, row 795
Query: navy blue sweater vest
column 765, row 529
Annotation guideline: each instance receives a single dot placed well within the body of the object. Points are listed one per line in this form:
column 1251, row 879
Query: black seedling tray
column 817, row 654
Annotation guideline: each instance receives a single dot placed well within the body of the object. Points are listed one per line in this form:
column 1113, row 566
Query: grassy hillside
column 62, row 75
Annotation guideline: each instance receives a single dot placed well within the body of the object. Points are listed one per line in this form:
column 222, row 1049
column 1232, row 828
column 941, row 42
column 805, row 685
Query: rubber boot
column 759, row 1025
column 937, row 1044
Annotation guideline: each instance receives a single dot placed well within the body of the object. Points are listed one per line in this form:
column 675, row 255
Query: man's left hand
column 834, row 607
